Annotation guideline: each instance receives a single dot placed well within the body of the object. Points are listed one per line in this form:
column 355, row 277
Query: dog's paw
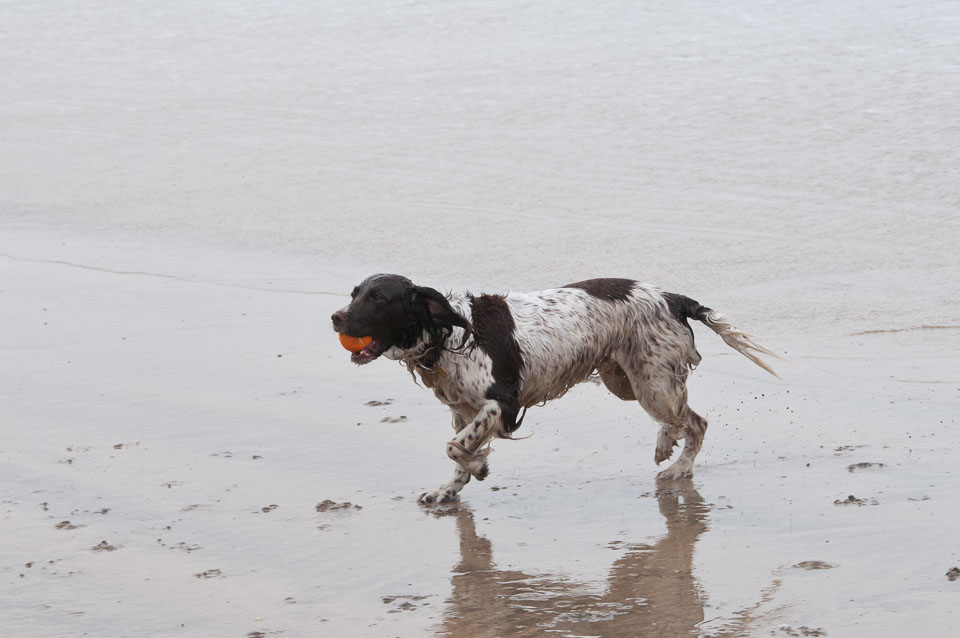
column 674, row 473
column 663, row 453
column 665, row 445
column 438, row 496
column 482, row 472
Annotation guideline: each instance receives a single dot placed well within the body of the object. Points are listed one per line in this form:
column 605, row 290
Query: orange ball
column 354, row 344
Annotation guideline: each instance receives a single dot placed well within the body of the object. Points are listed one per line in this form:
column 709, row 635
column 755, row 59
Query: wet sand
column 247, row 478
column 188, row 193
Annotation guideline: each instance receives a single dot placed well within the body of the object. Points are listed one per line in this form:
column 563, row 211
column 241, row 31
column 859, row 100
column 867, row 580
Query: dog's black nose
column 338, row 318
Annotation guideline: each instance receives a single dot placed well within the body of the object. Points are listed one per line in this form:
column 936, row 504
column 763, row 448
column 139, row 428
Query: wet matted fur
column 488, row 357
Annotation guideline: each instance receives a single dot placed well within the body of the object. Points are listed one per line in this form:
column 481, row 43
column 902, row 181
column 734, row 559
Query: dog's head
column 396, row 314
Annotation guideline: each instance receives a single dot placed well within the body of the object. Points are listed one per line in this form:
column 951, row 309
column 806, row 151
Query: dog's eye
column 376, row 295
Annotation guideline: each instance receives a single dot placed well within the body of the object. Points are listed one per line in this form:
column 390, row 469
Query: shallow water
column 189, row 191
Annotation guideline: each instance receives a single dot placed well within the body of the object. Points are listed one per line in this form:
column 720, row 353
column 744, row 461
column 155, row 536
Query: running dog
column 489, row 357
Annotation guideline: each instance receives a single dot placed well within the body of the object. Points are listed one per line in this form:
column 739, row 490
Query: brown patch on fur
column 608, row 289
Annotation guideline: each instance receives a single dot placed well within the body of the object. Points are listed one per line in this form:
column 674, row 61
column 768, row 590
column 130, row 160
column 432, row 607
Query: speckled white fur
column 640, row 350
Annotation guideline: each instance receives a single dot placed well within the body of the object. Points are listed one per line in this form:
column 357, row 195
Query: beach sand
column 189, row 193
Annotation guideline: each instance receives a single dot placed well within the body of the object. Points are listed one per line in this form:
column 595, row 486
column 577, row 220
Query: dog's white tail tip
column 741, row 341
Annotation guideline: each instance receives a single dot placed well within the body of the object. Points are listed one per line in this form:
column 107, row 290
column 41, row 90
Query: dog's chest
column 458, row 379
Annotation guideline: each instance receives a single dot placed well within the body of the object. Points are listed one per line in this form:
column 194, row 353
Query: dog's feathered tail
column 685, row 307
column 738, row 340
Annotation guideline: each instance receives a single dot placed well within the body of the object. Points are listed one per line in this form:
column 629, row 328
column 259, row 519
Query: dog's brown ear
column 439, row 314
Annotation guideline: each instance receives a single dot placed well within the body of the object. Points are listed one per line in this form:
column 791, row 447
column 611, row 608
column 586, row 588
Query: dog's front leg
column 465, row 451
column 448, row 492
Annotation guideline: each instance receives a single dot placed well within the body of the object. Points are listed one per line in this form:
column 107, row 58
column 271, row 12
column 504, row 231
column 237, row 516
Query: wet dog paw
column 665, row 445
column 674, row 473
column 481, row 473
column 663, row 452
column 438, row 496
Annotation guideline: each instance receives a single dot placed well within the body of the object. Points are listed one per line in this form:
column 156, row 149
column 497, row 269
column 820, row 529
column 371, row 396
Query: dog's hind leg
column 619, row 383
column 471, row 435
column 661, row 389
column 695, row 426
column 665, row 444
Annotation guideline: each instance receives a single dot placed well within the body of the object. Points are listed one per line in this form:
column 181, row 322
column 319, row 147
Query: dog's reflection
column 650, row 590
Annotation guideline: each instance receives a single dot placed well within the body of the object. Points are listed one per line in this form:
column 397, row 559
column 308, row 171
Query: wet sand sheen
column 170, row 446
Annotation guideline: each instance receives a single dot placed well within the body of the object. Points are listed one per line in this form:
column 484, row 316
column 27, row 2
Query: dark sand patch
column 209, row 573
column 853, row 500
column 332, row 506
column 405, row 602
column 814, row 564
column 856, row 467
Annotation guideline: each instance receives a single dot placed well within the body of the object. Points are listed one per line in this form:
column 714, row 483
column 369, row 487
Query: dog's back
column 567, row 333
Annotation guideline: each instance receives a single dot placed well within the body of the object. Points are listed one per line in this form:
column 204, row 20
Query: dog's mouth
column 368, row 354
